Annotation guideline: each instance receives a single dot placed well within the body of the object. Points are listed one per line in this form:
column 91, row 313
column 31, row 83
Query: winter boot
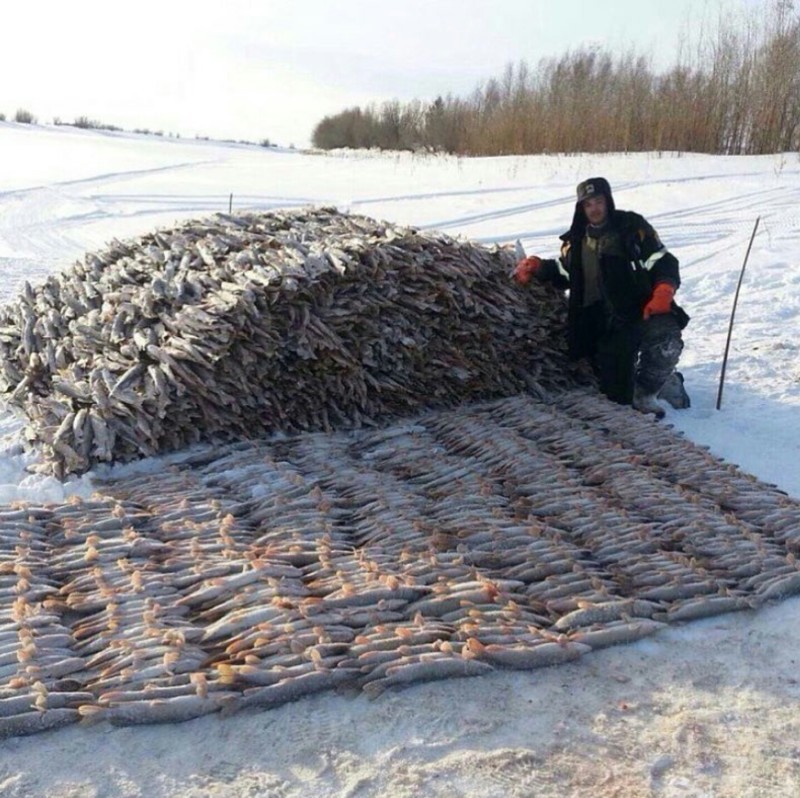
column 647, row 402
column 673, row 392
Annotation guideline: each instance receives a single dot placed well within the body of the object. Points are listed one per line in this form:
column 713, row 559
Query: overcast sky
column 273, row 68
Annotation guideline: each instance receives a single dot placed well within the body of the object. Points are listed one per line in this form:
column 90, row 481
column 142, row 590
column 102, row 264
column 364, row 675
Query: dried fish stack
column 289, row 320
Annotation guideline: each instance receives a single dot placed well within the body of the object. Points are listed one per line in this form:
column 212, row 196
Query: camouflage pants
column 659, row 351
column 644, row 353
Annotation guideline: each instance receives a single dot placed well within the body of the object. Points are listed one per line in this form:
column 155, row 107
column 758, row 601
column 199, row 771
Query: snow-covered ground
column 708, row 709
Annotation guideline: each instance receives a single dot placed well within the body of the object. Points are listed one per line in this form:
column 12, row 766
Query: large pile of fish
column 515, row 533
column 247, row 324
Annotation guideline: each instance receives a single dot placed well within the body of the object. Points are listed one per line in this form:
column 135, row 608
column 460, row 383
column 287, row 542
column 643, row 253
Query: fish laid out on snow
column 512, row 533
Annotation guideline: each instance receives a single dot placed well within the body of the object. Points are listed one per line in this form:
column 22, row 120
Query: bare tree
column 736, row 89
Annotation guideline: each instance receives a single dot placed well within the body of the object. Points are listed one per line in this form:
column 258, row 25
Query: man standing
column 622, row 315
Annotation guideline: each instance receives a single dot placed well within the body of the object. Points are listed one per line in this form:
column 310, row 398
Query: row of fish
column 247, row 324
column 515, row 533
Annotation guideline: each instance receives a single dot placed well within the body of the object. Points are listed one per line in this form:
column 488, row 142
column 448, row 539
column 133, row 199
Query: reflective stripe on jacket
column 627, row 281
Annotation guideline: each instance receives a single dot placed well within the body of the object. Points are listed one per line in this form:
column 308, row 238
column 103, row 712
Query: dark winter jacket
column 626, row 283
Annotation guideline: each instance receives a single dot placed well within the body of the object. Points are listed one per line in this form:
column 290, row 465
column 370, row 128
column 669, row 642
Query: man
column 622, row 315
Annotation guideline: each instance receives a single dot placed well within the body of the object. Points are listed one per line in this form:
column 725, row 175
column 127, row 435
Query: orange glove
column 526, row 268
column 660, row 301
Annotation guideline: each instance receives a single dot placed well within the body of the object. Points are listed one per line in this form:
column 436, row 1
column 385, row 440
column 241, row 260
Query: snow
column 706, row 709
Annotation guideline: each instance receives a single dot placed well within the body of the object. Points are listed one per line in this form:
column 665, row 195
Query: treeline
column 737, row 93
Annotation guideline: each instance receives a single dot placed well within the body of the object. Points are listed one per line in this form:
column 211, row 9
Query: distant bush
column 24, row 117
column 85, row 123
column 738, row 93
column 2, row 117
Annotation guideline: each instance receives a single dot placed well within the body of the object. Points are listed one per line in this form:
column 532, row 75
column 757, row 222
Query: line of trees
column 737, row 93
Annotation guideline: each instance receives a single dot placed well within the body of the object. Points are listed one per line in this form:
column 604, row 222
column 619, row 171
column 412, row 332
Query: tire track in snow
column 727, row 222
column 107, row 177
column 32, row 220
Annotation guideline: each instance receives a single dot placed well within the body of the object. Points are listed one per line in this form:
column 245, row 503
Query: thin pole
column 230, row 203
column 733, row 313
